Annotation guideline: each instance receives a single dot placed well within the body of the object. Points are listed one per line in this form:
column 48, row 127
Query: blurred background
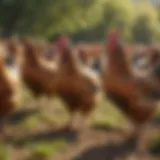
column 85, row 20
column 34, row 132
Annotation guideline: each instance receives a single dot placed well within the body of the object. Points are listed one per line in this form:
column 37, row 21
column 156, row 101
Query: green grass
column 106, row 114
column 27, row 95
column 4, row 153
column 53, row 114
column 30, row 122
column 46, row 150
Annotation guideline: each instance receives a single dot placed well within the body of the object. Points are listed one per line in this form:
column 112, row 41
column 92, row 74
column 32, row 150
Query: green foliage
column 137, row 22
column 118, row 14
column 115, row 14
column 82, row 19
column 146, row 24
column 45, row 18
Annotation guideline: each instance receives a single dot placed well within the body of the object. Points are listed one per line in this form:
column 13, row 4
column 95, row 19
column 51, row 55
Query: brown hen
column 122, row 88
column 40, row 79
column 78, row 86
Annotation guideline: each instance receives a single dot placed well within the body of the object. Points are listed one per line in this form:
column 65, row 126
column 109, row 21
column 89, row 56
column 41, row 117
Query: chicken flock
column 128, row 75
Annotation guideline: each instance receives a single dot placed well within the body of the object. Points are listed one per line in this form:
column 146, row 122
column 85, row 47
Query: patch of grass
column 30, row 122
column 155, row 146
column 45, row 150
column 55, row 113
column 59, row 116
column 27, row 95
column 4, row 153
column 107, row 114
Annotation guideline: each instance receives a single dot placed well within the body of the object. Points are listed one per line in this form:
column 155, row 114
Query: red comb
column 114, row 35
column 112, row 39
column 62, row 43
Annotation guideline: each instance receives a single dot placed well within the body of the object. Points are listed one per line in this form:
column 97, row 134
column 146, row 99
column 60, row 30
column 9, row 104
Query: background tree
column 86, row 20
column 115, row 14
column 146, row 26
column 45, row 18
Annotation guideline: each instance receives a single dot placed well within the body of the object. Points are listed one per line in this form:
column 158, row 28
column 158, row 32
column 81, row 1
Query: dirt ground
column 98, row 142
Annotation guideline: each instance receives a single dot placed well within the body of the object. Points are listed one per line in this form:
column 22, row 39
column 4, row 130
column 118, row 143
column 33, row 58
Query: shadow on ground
column 20, row 116
column 67, row 135
column 109, row 151
column 106, row 128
